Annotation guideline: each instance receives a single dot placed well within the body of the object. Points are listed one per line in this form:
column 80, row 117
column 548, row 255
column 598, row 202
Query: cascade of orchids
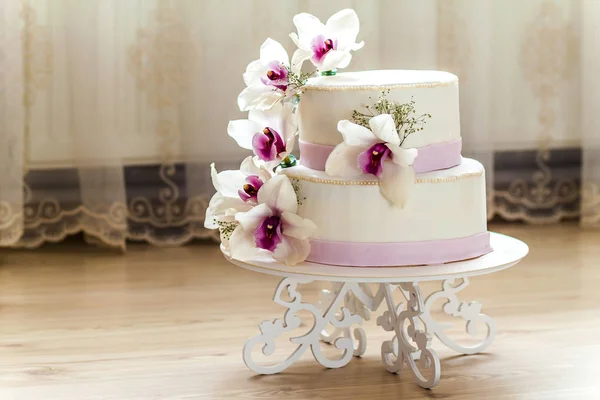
column 255, row 207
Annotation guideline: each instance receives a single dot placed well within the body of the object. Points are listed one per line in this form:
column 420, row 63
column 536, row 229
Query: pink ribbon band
column 353, row 254
column 430, row 158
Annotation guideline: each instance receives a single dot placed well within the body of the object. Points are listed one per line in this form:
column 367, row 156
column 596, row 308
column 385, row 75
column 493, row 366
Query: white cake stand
column 351, row 301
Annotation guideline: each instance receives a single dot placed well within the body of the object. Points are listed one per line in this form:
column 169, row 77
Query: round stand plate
column 507, row 252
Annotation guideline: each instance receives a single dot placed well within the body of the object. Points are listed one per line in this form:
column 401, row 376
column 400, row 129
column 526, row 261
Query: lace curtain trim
column 47, row 222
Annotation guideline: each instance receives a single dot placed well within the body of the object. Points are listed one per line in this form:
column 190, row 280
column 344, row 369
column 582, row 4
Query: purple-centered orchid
column 237, row 191
column 269, row 134
column 375, row 152
column 249, row 191
column 276, row 76
column 273, row 226
column 327, row 46
column 266, row 78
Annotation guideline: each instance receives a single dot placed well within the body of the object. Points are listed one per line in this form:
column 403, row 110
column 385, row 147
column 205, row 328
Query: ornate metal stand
column 348, row 304
column 339, row 313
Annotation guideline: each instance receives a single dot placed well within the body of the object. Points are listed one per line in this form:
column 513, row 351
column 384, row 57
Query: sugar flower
column 269, row 134
column 327, row 46
column 266, row 78
column 273, row 226
column 237, row 191
column 376, row 152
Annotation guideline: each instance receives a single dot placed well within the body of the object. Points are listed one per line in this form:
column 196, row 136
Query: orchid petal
column 403, row 157
column 298, row 58
column 296, row 226
column 299, row 44
column 249, row 220
column 273, row 50
column 343, row 161
column 260, row 97
column 269, row 99
column 210, row 218
column 296, row 40
column 268, row 234
column 357, row 46
column 308, row 26
column 249, row 166
column 253, row 166
column 242, row 245
column 396, row 183
column 250, row 96
column 289, row 145
column 265, row 174
column 278, row 117
column 289, row 122
column 230, row 181
column 265, row 170
column 356, row 135
column 223, row 208
column 344, row 25
column 264, row 146
column 335, row 59
column 254, row 71
column 278, row 194
column 384, row 127
column 371, row 160
column 275, row 163
column 214, row 176
column 242, row 131
column 227, row 206
column 291, row 251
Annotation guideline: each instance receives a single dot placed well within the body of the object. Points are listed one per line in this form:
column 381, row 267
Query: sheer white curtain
column 590, row 102
column 12, row 123
column 111, row 110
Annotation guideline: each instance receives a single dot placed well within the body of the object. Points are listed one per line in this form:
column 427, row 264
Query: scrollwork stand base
column 348, row 304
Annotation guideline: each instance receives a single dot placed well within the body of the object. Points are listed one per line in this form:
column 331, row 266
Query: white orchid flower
column 377, row 152
column 266, row 78
column 327, row 46
column 269, row 134
column 236, row 192
column 273, row 226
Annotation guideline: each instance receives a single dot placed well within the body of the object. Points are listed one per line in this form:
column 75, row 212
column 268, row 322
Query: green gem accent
column 331, row 72
column 288, row 162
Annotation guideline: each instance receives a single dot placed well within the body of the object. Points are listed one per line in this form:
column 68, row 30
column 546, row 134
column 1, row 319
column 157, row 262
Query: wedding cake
column 380, row 180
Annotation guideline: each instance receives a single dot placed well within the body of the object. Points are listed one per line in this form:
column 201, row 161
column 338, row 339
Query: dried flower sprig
column 297, row 80
column 404, row 116
column 296, row 186
column 226, row 228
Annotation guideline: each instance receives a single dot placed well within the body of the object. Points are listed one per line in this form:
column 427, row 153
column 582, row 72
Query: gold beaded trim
column 376, row 183
column 325, row 88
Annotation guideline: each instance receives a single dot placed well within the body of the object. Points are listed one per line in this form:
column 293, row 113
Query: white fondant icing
column 329, row 99
column 445, row 204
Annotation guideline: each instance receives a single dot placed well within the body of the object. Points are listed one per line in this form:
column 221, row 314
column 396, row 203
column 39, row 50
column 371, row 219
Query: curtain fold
column 590, row 99
column 12, row 122
column 111, row 110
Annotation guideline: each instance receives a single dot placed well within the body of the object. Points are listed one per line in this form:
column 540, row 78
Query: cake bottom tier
column 431, row 252
column 444, row 220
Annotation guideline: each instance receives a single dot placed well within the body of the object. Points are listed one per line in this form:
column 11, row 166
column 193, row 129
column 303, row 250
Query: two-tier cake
column 444, row 218
column 380, row 180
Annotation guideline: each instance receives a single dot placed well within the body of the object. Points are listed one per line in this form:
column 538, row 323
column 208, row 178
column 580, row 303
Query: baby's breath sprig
column 404, row 116
column 226, row 228
column 296, row 186
column 297, row 80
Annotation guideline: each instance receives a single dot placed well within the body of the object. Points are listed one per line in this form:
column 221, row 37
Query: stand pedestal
column 351, row 301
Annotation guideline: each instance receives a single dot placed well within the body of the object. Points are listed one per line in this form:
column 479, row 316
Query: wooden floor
column 81, row 323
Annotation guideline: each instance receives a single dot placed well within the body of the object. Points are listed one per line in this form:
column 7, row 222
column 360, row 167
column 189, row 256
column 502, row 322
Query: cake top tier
column 381, row 80
column 328, row 99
